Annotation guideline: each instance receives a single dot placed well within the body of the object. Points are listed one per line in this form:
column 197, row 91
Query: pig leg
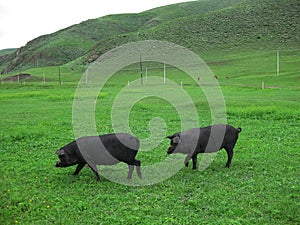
column 139, row 173
column 229, row 150
column 194, row 158
column 138, row 168
column 131, row 168
column 78, row 168
column 96, row 175
column 95, row 171
column 186, row 161
column 136, row 163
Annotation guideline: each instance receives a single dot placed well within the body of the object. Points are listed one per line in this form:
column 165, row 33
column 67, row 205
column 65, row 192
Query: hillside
column 252, row 24
column 70, row 43
column 204, row 25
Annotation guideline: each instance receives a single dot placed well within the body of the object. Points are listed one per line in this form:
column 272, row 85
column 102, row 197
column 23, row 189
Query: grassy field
column 261, row 187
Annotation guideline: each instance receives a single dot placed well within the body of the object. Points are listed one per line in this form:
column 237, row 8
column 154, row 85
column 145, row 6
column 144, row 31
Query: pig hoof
column 187, row 164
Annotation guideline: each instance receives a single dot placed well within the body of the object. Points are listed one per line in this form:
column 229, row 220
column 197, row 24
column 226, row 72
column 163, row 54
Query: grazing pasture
column 262, row 185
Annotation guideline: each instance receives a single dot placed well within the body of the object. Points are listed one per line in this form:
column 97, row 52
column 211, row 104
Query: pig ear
column 176, row 140
column 60, row 152
column 171, row 136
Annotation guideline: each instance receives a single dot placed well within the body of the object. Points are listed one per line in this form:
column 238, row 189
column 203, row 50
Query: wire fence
column 278, row 68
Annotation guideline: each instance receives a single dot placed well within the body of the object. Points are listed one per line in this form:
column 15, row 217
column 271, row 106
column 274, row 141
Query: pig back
column 121, row 146
column 108, row 149
column 94, row 152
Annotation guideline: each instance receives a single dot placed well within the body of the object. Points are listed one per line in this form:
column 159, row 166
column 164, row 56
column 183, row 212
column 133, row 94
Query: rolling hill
column 251, row 24
column 204, row 25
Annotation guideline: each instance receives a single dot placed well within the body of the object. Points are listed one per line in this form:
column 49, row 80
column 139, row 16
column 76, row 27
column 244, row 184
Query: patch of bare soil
column 18, row 77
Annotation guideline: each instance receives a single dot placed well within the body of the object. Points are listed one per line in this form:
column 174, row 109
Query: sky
column 24, row 20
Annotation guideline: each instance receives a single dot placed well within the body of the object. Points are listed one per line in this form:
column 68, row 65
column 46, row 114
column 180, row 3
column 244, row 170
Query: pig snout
column 58, row 163
column 171, row 149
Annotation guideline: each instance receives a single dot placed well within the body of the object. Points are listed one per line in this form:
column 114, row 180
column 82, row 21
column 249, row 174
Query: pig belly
column 106, row 160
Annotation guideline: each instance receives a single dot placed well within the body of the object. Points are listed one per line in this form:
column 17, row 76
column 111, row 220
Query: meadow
column 261, row 187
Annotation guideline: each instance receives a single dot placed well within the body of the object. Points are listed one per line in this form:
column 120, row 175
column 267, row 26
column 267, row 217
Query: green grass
column 233, row 68
column 256, row 66
column 261, row 187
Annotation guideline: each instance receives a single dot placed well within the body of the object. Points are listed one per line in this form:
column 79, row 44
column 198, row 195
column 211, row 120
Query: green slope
column 167, row 13
column 249, row 25
column 70, row 43
column 67, row 44
column 204, row 25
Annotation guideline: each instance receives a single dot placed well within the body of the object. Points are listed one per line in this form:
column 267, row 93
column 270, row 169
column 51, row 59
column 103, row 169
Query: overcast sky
column 24, row 20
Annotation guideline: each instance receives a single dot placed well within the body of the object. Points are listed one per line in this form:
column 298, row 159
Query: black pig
column 108, row 149
column 204, row 140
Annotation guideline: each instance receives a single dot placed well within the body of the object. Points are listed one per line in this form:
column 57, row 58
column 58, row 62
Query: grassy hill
column 204, row 25
column 251, row 24
column 67, row 44
column 70, row 43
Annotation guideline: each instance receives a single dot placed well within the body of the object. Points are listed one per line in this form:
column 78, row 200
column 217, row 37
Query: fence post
column 59, row 76
column 86, row 77
column 278, row 62
column 164, row 73
column 141, row 70
column 146, row 74
column 44, row 79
